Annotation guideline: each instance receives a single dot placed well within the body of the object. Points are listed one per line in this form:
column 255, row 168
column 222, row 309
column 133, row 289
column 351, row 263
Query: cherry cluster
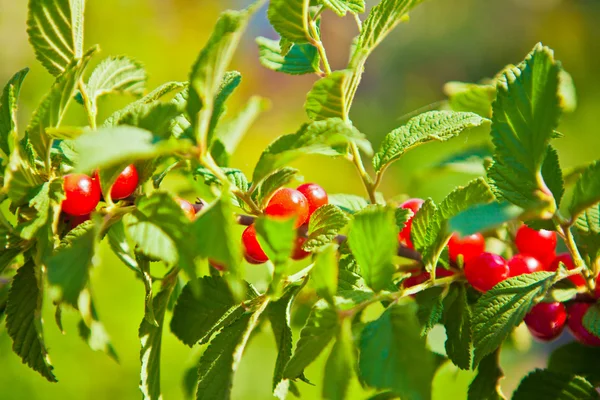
column 484, row 270
column 286, row 203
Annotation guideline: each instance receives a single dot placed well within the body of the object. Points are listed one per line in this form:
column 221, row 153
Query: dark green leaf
column 486, row 385
column 483, row 217
column 325, row 223
column 301, row 59
column 591, row 320
column 10, row 243
column 552, row 174
column 8, row 111
column 587, row 189
column 44, row 203
column 547, row 385
column 576, row 359
column 430, row 308
column 457, row 320
column 420, row 224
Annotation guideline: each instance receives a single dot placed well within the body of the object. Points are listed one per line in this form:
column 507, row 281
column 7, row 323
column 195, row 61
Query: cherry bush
column 480, row 262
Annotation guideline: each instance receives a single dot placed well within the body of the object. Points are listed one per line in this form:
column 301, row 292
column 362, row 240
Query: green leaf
column 390, row 348
column 301, row 59
column 119, row 243
column 419, row 230
column 222, row 357
column 276, row 237
column 426, row 127
column 486, row 385
column 328, row 98
column 197, row 316
column 44, row 200
column 547, row 385
column 151, row 340
column 587, row 189
column 279, row 315
column 430, row 308
column 457, row 320
column 328, row 137
column 55, row 30
column 324, row 273
column 69, row 266
column 235, row 176
column 348, row 202
column 373, row 239
column 341, row 7
column 321, row 326
column 588, row 232
column 471, row 97
column 91, row 330
column 116, row 75
column 503, row 307
column 591, row 320
column 402, row 215
column 230, row 82
column 110, row 147
column 24, row 322
column 289, row 18
column 325, row 223
column 339, row 368
column 483, row 217
column 50, row 112
column 576, row 359
column 21, row 179
column 553, row 175
column 471, row 160
column 526, row 113
column 268, row 185
column 567, row 92
column 10, row 243
column 8, row 111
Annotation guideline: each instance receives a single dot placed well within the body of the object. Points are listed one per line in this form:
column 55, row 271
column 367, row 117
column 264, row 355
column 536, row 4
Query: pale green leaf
column 426, row 127
column 42, row 200
column 471, row 97
column 373, row 239
column 235, row 176
column 348, row 202
column 430, row 308
column 324, row 273
column 8, row 111
column 91, row 330
column 567, row 92
column 548, row 385
column 587, row 190
column 20, row 178
column 340, row 365
column 300, row 59
column 325, row 223
column 588, row 231
column 591, row 320
column 55, row 29
column 289, row 18
column 328, row 98
column 341, row 7
column 229, row 83
column 486, row 385
column 119, row 243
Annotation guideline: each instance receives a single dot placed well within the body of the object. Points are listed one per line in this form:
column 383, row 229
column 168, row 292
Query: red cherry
column 546, row 321
column 299, row 253
column 82, row 194
column 536, row 243
column 315, row 195
column 251, row 260
column 187, row 207
column 288, row 203
column 575, row 324
column 566, row 259
column 252, row 248
column 523, row 264
column 414, row 205
column 597, row 290
column 419, row 277
column 75, row 221
column 125, row 184
column 443, row 273
column 469, row 246
column 486, row 271
column 216, row 265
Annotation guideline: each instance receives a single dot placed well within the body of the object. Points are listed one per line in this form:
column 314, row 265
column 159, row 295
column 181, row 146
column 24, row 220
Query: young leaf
column 426, row 127
column 339, row 368
column 289, row 18
column 430, row 308
column 340, row 7
column 68, row 267
column 543, row 384
column 222, row 357
column 55, row 30
column 229, row 83
column 348, row 202
column 373, row 239
column 300, row 59
column 279, row 316
column 471, row 97
column 328, row 137
column 321, row 326
column 486, row 385
column 526, row 113
column 325, row 223
column 329, row 97
column 23, row 319
column 8, row 111
column 483, row 217
column 116, row 75
column 576, row 359
column 325, row 273
column 502, row 308
column 457, row 320
column 587, row 190
column 196, row 317
column 390, row 348
column 151, row 340
column 268, row 185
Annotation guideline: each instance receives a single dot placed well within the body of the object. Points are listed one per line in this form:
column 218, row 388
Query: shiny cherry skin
column 82, row 194
column 486, row 271
column 187, row 207
column 315, row 195
column 546, row 321
column 524, row 264
column 252, row 248
column 125, row 184
column 575, row 323
column 299, row 253
column 535, row 243
column 414, row 205
column 288, row 203
column 567, row 260
column 469, row 246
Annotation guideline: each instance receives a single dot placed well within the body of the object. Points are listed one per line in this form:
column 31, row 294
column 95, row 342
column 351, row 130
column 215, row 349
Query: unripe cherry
column 82, row 194
column 486, row 271
column 288, row 203
column 546, row 321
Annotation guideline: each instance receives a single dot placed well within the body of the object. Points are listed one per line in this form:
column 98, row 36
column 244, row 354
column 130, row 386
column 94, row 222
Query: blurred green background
column 463, row 40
